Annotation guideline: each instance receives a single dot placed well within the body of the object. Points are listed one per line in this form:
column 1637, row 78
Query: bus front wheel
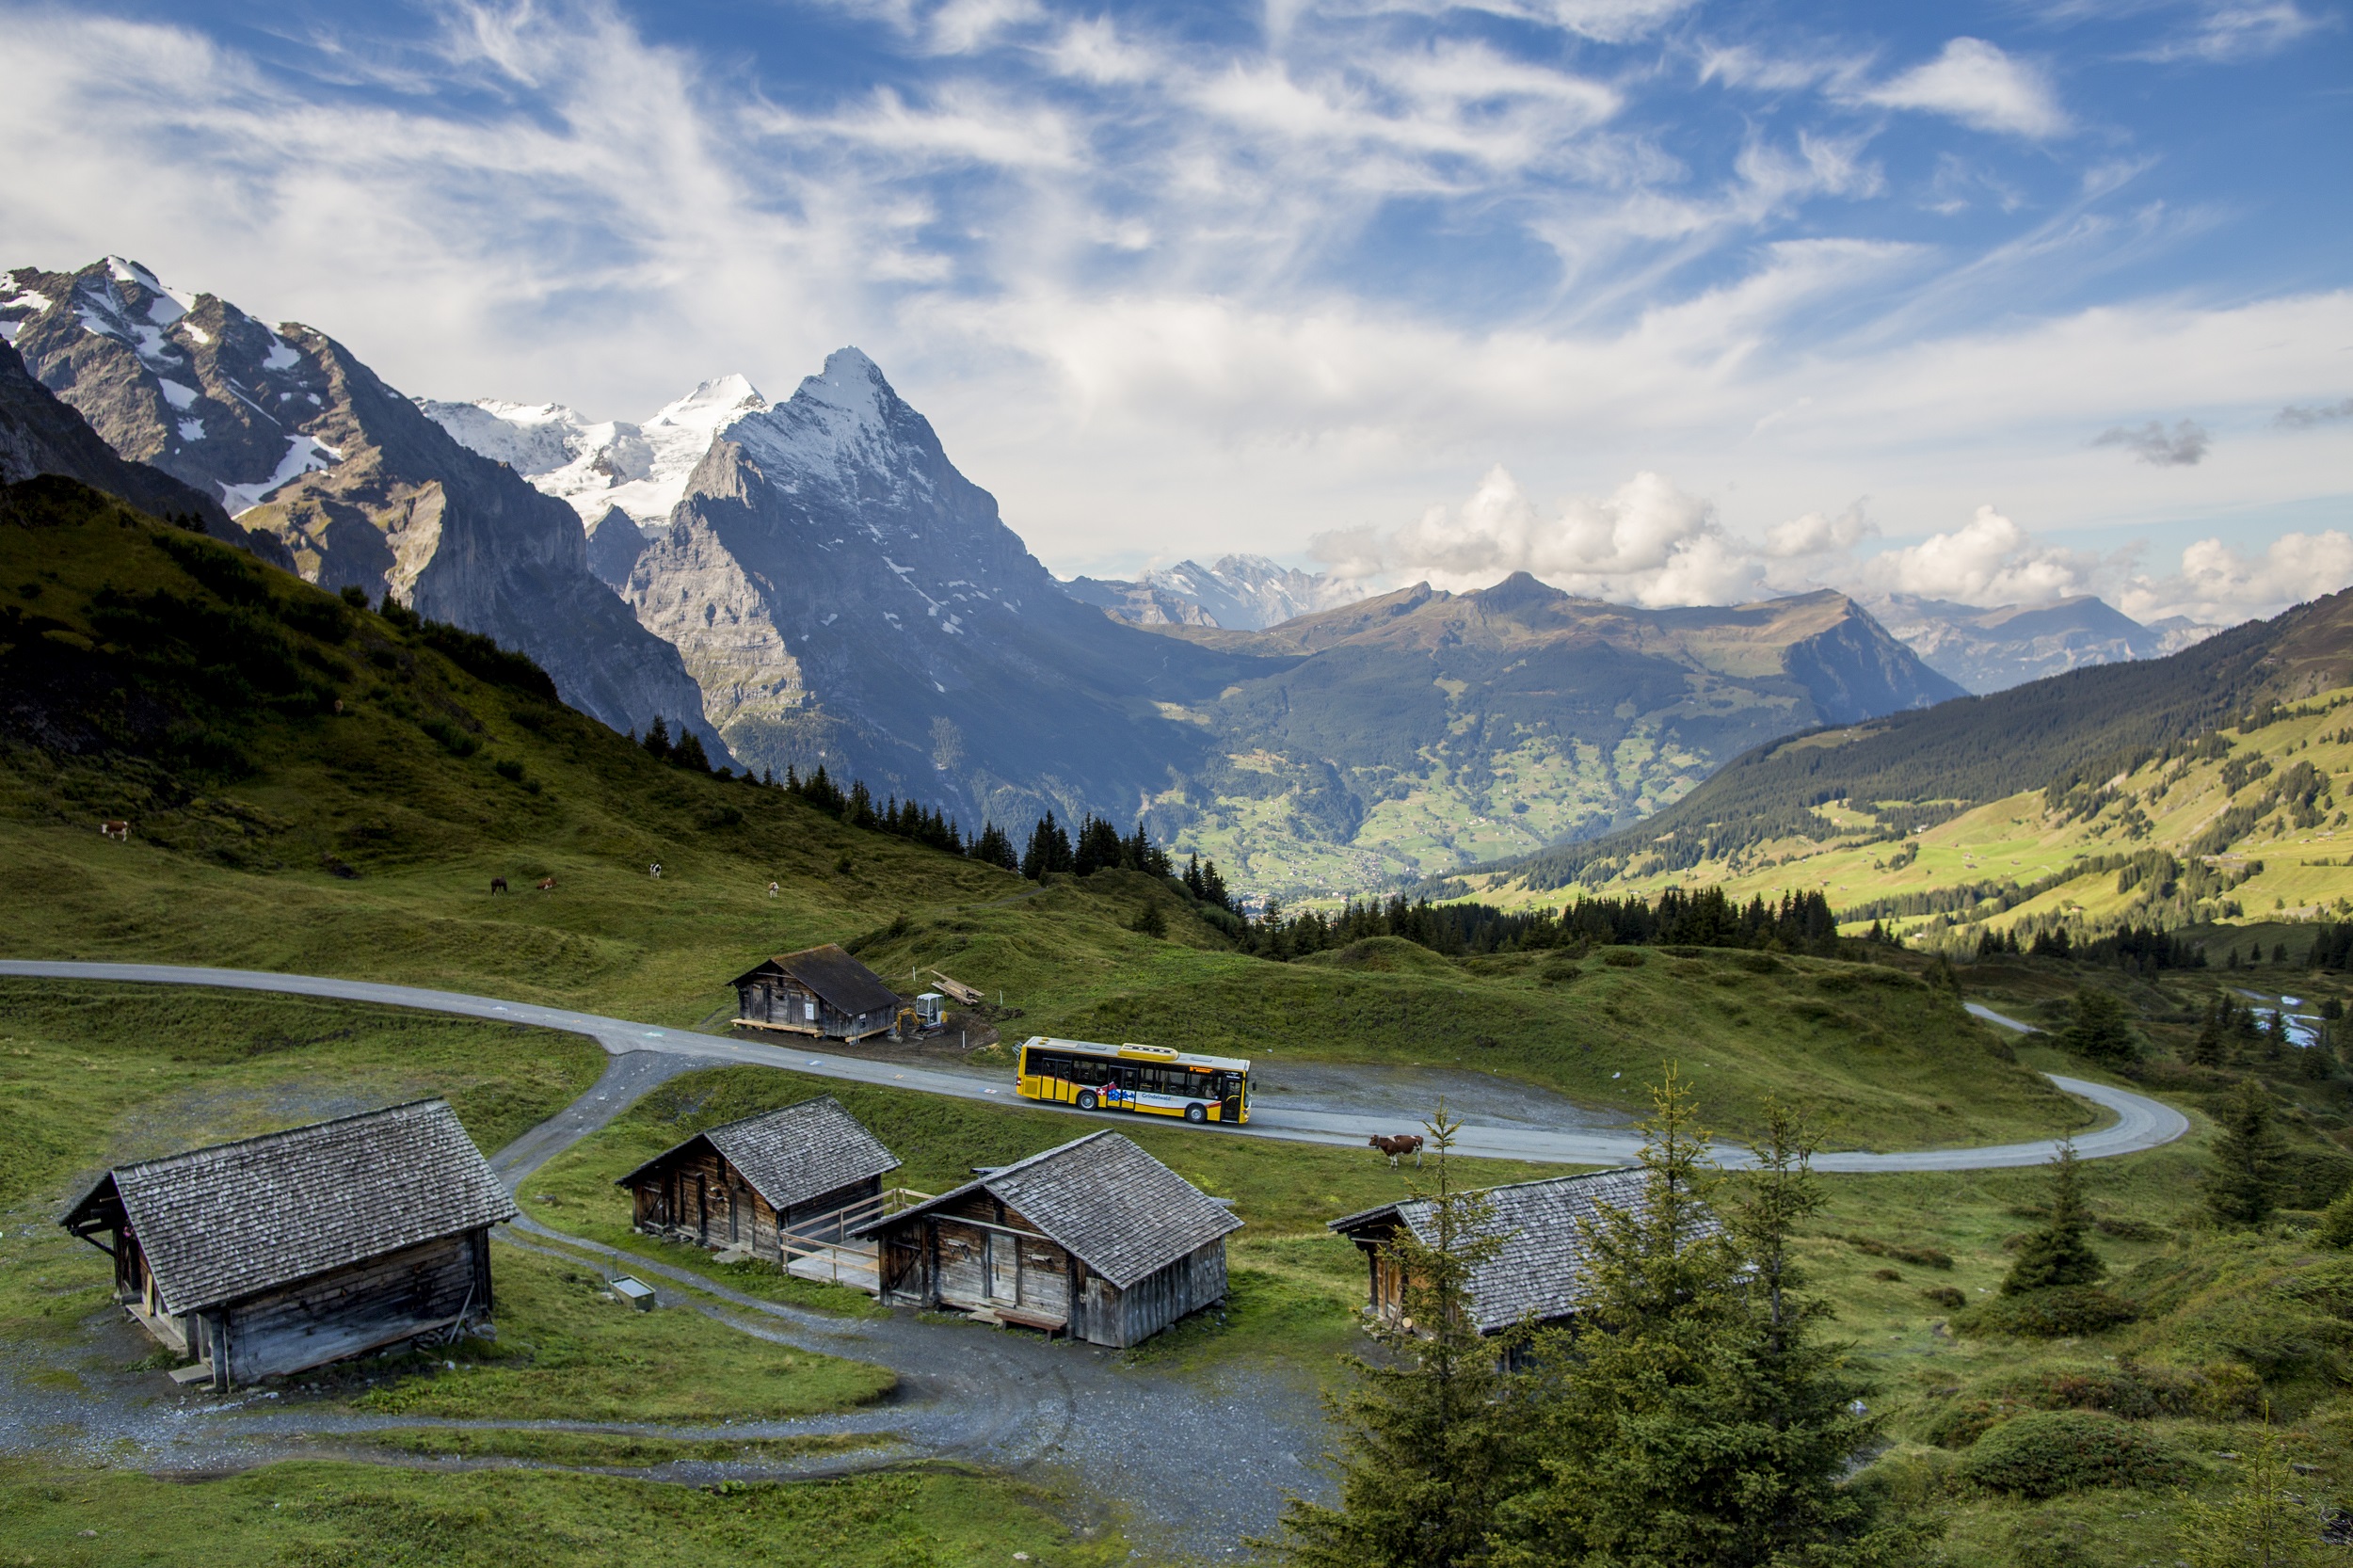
column 1197, row 1112
column 1087, row 1101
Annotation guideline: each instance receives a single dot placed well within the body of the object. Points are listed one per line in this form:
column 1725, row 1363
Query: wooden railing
column 820, row 1249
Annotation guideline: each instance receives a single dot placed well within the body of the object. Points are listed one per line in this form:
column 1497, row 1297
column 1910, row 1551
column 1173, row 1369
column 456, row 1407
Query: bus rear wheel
column 1197, row 1112
column 1087, row 1101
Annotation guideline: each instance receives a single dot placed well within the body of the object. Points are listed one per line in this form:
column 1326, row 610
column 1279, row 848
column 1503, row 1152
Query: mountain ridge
column 316, row 453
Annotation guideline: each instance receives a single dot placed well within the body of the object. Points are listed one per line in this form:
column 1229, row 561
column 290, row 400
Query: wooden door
column 1004, row 1268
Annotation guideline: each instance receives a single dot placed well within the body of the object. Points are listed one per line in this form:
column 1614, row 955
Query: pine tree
column 688, row 753
column 1691, row 1418
column 2059, row 1253
column 2101, row 1029
column 2240, row 1185
column 1431, row 1440
column 1150, row 922
column 2336, row 1222
column 657, row 738
column 2276, row 1035
column 2206, row 1050
column 2268, row 1521
column 1050, row 849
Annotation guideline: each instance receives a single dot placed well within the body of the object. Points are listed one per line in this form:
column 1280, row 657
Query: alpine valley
column 812, row 581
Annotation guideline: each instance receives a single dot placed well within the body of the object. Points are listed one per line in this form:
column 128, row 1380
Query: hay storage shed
column 277, row 1254
column 1535, row 1274
column 1095, row 1238
column 810, row 1169
column 821, row 991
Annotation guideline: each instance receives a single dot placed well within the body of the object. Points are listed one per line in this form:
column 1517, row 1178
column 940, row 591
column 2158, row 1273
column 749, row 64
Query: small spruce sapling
column 2267, row 1520
column 2242, row 1181
column 2059, row 1253
column 2101, row 1029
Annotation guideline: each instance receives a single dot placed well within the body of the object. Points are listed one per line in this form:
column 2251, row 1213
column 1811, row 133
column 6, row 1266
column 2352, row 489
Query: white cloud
column 2240, row 30
column 2184, row 446
column 1989, row 560
column 1977, row 84
column 2220, row 585
column 1647, row 542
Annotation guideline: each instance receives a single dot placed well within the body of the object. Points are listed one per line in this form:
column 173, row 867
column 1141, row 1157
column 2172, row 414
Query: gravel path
column 1321, row 1117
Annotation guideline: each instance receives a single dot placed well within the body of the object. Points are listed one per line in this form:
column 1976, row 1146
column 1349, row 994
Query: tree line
column 1678, row 917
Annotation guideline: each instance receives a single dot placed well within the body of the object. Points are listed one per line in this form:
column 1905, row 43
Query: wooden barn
column 821, row 991
column 1095, row 1238
column 1537, row 1272
column 280, row 1253
column 807, row 1172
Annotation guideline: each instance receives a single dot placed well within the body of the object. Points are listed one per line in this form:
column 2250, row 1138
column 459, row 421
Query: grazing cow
column 772, row 890
column 547, row 884
column 654, row 870
column 1398, row 1148
column 118, row 831
column 498, row 883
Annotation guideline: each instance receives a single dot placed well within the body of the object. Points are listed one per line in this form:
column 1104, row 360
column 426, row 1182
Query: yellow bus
column 1151, row 1078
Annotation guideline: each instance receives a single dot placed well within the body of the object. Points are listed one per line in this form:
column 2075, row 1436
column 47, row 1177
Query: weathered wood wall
column 700, row 1193
column 353, row 1309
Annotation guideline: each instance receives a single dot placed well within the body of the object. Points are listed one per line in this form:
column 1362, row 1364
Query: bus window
column 1090, row 1071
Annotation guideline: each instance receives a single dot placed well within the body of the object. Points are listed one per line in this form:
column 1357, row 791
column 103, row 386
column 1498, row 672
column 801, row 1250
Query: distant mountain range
column 1994, row 649
column 344, row 477
column 813, row 581
column 1239, row 593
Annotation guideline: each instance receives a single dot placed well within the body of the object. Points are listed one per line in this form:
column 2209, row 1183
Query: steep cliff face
column 844, row 595
column 1994, row 649
column 313, row 451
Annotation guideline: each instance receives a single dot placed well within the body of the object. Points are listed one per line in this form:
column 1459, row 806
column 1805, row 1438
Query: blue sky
column 1672, row 302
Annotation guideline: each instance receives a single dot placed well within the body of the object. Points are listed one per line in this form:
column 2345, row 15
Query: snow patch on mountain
column 597, row 466
column 303, row 454
column 1241, row 593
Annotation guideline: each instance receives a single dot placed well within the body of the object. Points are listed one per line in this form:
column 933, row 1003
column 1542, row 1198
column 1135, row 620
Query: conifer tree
column 2268, row 1521
column 688, row 753
column 2059, row 1253
column 657, row 740
column 2276, row 1035
column 2240, row 1184
column 2206, row 1050
column 1430, row 1439
column 1692, row 1416
column 2101, row 1029
column 2336, row 1222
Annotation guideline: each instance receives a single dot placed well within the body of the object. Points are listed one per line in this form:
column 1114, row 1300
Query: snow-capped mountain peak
column 711, row 407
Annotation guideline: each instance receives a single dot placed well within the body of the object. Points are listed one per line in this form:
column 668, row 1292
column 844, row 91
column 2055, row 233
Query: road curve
column 2141, row 1123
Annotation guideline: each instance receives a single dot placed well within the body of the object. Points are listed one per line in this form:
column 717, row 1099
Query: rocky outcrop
column 843, row 594
column 308, row 447
column 41, row 434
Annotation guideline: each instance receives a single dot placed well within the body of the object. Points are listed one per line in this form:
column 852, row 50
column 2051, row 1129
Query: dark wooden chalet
column 1095, row 1238
column 1535, row 1276
column 809, row 1170
column 280, row 1253
column 821, row 991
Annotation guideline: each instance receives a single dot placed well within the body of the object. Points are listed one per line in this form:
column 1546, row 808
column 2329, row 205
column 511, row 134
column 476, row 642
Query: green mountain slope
column 158, row 677
column 2182, row 792
column 1420, row 731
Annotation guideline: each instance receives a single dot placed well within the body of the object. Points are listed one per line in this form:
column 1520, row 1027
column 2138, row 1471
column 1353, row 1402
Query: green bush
column 2049, row 1452
column 1623, row 958
column 2057, row 1313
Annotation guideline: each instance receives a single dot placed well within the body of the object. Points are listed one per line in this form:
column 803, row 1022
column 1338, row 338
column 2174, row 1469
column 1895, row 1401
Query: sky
column 1665, row 300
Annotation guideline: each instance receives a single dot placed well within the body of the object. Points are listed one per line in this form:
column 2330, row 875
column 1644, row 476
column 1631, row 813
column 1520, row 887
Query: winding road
column 2141, row 1123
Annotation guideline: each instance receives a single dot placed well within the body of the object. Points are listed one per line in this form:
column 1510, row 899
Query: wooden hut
column 280, row 1253
column 821, row 991
column 1536, row 1272
column 1095, row 1238
column 809, row 1171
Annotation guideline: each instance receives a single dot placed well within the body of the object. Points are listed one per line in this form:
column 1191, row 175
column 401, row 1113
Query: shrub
column 1925, row 1257
column 453, row 739
column 1623, row 958
column 1947, row 1296
column 2336, row 1222
column 2057, row 1313
column 2049, row 1452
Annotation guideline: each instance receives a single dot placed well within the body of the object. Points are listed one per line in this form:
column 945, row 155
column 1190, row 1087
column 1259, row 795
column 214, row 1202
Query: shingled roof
column 1539, row 1271
column 846, row 985
column 1104, row 1201
column 218, row 1224
column 793, row 1155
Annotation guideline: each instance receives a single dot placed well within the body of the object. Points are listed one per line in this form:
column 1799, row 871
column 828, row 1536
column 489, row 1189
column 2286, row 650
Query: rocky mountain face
column 1994, row 649
column 39, row 434
column 843, row 594
column 1239, row 593
column 308, row 448
column 1422, row 729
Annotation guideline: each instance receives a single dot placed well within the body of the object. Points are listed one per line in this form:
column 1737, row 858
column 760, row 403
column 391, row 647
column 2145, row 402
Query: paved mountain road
column 2141, row 1123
